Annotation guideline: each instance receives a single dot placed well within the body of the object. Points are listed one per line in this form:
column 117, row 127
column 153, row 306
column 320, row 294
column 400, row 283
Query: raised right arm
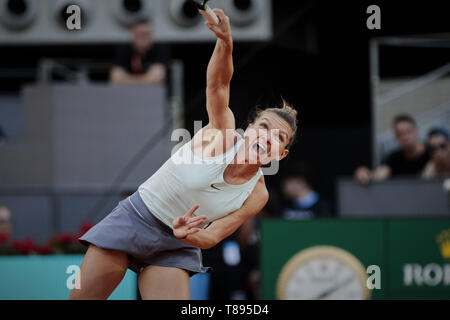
column 219, row 74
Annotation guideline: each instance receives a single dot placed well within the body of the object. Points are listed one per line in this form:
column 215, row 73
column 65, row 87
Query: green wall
column 406, row 251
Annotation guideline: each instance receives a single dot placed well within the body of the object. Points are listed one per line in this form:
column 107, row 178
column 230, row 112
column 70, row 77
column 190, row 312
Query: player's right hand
column 222, row 30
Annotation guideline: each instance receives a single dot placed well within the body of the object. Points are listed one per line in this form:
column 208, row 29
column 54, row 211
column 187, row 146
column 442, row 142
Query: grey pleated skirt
column 133, row 229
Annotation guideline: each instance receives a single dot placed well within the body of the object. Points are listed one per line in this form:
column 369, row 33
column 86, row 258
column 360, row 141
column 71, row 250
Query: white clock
column 323, row 272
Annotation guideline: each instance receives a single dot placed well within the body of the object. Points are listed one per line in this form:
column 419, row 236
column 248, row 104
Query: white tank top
column 185, row 180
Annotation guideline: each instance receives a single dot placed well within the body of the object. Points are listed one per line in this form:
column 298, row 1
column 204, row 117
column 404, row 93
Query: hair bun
column 288, row 108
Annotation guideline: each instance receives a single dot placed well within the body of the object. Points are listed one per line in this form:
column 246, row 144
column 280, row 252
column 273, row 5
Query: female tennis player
column 201, row 195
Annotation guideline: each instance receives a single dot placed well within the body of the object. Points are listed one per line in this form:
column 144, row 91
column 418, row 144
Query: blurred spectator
column 439, row 146
column 236, row 260
column 2, row 136
column 409, row 159
column 5, row 222
column 249, row 238
column 301, row 200
column 140, row 62
column 6, row 244
column 228, row 277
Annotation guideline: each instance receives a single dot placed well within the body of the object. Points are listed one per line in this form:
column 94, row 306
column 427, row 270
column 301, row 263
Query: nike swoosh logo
column 212, row 186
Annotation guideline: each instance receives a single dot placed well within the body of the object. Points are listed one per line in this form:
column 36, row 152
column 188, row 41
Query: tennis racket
column 206, row 11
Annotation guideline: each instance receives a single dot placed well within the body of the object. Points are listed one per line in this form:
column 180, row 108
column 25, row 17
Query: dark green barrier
column 329, row 259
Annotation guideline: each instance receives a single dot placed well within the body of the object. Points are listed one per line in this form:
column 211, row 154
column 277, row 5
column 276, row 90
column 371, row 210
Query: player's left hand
column 186, row 225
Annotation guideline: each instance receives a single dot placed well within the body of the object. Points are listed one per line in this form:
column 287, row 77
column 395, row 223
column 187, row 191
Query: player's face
column 268, row 138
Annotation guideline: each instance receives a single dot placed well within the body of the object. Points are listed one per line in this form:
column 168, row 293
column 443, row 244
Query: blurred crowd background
column 87, row 115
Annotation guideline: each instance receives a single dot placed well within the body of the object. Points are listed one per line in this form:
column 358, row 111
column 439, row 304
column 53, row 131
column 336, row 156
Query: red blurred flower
column 85, row 226
column 44, row 249
column 79, row 235
column 4, row 237
column 24, row 247
column 65, row 238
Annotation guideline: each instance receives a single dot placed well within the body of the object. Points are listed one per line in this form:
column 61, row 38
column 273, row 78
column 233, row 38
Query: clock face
column 323, row 272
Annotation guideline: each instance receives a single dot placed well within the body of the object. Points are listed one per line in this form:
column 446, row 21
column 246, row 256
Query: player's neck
column 243, row 171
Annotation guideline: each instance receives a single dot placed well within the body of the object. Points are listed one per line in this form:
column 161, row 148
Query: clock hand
column 333, row 289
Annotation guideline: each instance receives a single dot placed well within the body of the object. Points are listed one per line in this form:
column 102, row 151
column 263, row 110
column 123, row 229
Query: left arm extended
column 224, row 227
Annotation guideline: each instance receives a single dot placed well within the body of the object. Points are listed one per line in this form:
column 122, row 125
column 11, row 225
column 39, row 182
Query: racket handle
column 209, row 15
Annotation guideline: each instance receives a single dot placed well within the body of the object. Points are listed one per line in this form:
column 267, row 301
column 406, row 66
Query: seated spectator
column 2, row 136
column 249, row 239
column 302, row 202
column 227, row 280
column 139, row 62
column 5, row 222
column 439, row 146
column 409, row 159
column 236, row 260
